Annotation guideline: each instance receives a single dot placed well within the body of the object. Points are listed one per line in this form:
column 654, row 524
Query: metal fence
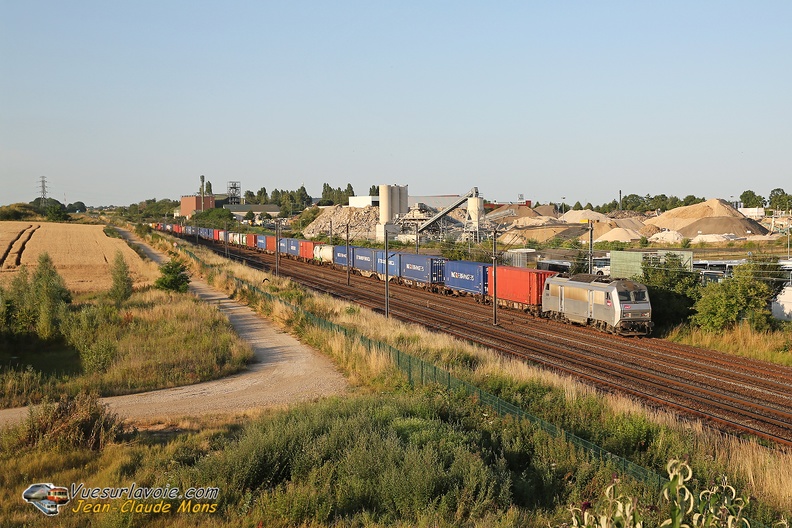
column 421, row 372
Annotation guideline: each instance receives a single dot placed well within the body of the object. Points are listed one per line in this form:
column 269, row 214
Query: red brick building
column 192, row 204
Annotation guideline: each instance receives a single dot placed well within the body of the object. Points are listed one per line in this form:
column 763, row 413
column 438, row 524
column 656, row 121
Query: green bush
column 98, row 356
column 173, row 276
column 71, row 422
column 122, row 281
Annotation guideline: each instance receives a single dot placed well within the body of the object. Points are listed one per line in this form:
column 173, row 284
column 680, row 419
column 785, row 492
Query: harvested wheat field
column 83, row 254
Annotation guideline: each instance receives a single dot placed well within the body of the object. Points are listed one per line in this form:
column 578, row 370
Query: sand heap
column 666, row 237
column 632, row 222
column 577, row 217
column 537, row 221
column 521, row 235
column 546, row 210
column 649, row 230
column 708, row 239
column 713, row 217
column 520, row 211
column 619, row 234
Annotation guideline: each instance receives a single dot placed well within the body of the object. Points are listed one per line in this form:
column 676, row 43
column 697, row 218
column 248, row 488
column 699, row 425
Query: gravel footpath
column 283, row 371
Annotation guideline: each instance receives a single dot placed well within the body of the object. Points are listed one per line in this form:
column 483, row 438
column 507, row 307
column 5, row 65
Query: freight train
column 617, row 306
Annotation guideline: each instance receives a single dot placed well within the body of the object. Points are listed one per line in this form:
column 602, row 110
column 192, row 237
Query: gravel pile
column 713, row 217
column 362, row 222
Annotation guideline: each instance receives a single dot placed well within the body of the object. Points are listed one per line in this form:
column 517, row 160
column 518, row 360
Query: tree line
column 778, row 200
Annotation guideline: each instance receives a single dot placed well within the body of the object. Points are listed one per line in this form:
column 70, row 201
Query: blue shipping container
column 283, row 245
column 261, row 241
column 394, row 263
column 340, row 255
column 363, row 258
column 466, row 276
column 422, row 268
column 293, row 247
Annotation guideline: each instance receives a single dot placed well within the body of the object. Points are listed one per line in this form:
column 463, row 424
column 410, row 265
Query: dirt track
column 283, row 371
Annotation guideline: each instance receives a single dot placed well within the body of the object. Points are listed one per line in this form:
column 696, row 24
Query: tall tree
column 691, row 200
column 374, row 190
column 275, row 197
column 302, row 197
column 122, row 281
column 250, row 198
column 262, row 196
column 751, row 199
column 50, row 296
column 288, row 205
column 76, row 207
column 208, row 187
column 780, row 200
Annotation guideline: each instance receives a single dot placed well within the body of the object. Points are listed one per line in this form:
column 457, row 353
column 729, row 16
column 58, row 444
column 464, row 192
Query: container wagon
column 463, row 277
column 363, row 260
column 394, row 265
column 340, row 258
column 323, row 254
column 519, row 288
column 425, row 271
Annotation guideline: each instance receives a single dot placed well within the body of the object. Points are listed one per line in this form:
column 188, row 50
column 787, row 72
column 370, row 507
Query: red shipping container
column 270, row 243
column 519, row 285
column 216, row 234
column 306, row 249
column 251, row 241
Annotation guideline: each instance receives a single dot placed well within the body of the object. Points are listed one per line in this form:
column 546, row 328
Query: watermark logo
column 46, row 497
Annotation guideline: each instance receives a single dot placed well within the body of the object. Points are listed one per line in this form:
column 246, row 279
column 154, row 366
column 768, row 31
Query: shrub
column 72, row 422
column 122, row 281
column 173, row 276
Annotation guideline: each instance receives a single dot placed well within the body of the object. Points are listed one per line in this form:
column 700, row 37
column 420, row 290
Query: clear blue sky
column 115, row 102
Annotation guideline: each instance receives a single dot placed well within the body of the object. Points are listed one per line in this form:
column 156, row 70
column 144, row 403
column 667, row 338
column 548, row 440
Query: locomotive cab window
column 639, row 296
column 624, row 296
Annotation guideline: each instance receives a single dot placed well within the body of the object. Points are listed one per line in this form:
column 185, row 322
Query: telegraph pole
column 416, row 238
column 277, row 247
column 494, row 277
column 331, row 231
column 349, row 258
column 387, row 289
column 226, row 239
column 591, row 247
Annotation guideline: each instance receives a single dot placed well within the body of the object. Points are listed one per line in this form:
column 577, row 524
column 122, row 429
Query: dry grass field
column 83, row 254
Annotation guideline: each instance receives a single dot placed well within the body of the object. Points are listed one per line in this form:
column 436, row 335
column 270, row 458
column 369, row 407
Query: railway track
column 737, row 395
